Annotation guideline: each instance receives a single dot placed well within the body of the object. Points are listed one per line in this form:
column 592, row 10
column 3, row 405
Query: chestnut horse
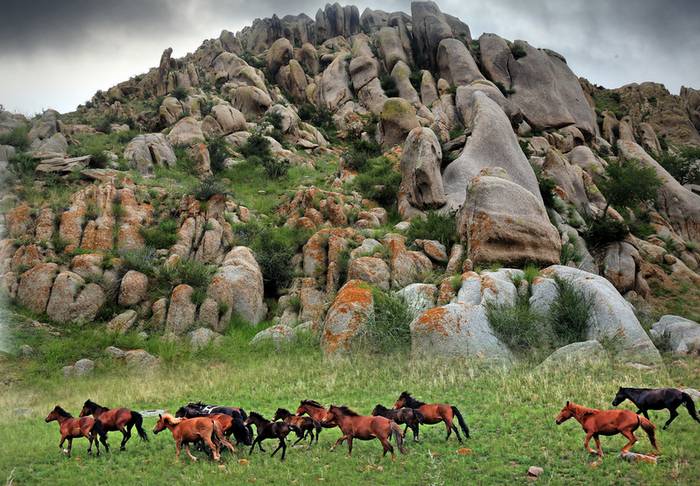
column 236, row 427
column 121, row 419
column 657, row 399
column 302, row 426
column 434, row 413
column 74, row 428
column 317, row 412
column 186, row 431
column 607, row 422
column 355, row 426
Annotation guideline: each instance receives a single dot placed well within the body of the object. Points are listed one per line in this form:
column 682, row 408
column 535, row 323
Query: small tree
column 627, row 183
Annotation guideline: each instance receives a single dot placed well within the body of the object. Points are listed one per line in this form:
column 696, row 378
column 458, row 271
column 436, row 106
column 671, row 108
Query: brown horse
column 74, row 428
column 434, row 413
column 355, row 426
column 607, row 422
column 302, row 426
column 408, row 416
column 186, row 431
column 316, row 411
column 121, row 419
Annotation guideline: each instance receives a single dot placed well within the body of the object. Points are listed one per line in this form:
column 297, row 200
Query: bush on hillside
column 162, row 235
column 389, row 328
column 17, row 138
column 359, row 152
column 380, row 181
column 570, row 313
column 684, row 165
column 435, row 226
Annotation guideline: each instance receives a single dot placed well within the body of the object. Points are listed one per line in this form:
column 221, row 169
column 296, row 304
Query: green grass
column 510, row 414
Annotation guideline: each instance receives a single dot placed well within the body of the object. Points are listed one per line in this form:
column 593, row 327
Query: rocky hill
column 314, row 173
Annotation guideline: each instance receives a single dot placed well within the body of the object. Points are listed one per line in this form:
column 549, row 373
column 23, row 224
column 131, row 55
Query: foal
column 607, row 422
column 268, row 430
column 121, row 419
column 302, row 426
column 434, row 413
column 72, row 428
column 408, row 416
column 657, row 399
column 186, row 431
column 355, row 426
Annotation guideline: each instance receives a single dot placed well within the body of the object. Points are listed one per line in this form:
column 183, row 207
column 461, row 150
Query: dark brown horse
column 408, row 416
column 240, row 432
column 434, row 413
column 316, row 411
column 121, row 419
column 607, row 422
column 302, row 426
column 186, row 431
column 74, row 428
column 355, row 426
column 646, row 399
column 268, row 430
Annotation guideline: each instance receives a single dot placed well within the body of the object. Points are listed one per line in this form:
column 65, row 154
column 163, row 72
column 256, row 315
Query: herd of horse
column 211, row 427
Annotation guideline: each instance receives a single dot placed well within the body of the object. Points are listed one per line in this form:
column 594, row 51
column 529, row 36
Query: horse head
column 565, row 414
column 620, row 397
column 88, row 408
column 403, row 398
column 56, row 413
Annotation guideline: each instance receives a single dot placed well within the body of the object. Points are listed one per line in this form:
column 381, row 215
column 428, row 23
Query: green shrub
column 601, row 231
column 141, row 260
column 180, row 93
column 521, row 328
column 256, row 145
column 209, row 187
column 389, row 328
column 359, row 152
column 17, row 138
column 628, row 182
column 380, row 181
column 569, row 313
column 218, row 152
column 22, row 165
column 606, row 100
column 104, row 125
column 389, row 86
column 569, row 253
column 416, row 79
column 163, row 235
column 321, row 118
column 435, row 226
column 518, row 51
column 547, row 186
column 683, row 165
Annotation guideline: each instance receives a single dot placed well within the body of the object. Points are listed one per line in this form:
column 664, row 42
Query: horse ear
column 567, row 403
column 160, row 416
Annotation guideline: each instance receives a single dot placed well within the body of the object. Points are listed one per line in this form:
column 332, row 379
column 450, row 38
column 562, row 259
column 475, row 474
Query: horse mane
column 283, row 411
column 257, row 416
column 380, row 407
column 312, row 403
column 346, row 410
column 169, row 419
column 580, row 409
column 94, row 405
column 59, row 410
column 411, row 402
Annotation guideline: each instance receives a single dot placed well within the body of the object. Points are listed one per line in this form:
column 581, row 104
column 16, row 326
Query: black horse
column 268, row 430
column 657, row 399
column 242, row 433
column 303, row 426
column 410, row 417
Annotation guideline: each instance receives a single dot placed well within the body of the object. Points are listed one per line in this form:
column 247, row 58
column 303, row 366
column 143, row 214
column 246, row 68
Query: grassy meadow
column 510, row 414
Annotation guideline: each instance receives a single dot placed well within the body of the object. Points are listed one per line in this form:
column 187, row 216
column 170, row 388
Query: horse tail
column 462, row 423
column 690, row 405
column 650, row 429
column 137, row 421
column 398, row 436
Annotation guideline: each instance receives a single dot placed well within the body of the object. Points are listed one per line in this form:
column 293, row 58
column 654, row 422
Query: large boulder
column 229, row 119
column 578, row 353
column 363, row 69
column 334, row 89
column 455, row 64
column 35, row 285
column 397, row 119
column 545, row 89
column 503, row 222
column 144, row 152
column 133, row 288
column 430, row 26
column 407, row 266
column 682, row 335
column 419, row 297
column 492, row 144
column 457, row 330
column 612, row 317
column 280, row 53
column 347, row 317
column 372, row 270
column 421, row 180
column 74, row 300
column 187, row 131
column 390, row 48
column 238, row 287
column 251, row 101
column 181, row 310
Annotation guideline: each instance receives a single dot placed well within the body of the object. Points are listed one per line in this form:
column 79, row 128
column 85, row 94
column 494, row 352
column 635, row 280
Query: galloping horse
column 434, row 413
column 316, row 411
column 121, row 419
column 242, row 433
column 607, row 422
column 657, row 399
column 268, row 430
column 302, row 426
column 355, row 426
column 408, row 416
column 186, row 431
column 74, row 428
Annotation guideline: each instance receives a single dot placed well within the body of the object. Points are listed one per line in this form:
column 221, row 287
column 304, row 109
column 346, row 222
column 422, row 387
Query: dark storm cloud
column 57, row 53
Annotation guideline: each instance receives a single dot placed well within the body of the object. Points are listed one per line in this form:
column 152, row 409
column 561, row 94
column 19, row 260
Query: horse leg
column 187, row 450
column 284, row 448
column 126, row 435
column 415, row 429
column 597, row 444
column 448, row 424
column 88, row 436
column 673, row 416
column 103, row 439
column 631, row 437
column 260, row 446
column 70, row 445
column 586, row 442
column 459, row 437
column 60, row 444
column 300, row 437
column 213, row 447
column 338, row 442
column 252, row 447
column 178, row 445
column 349, row 445
column 387, row 447
column 405, row 429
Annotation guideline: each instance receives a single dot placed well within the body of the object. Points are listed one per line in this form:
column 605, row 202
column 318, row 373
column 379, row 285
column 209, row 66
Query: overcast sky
column 56, row 54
